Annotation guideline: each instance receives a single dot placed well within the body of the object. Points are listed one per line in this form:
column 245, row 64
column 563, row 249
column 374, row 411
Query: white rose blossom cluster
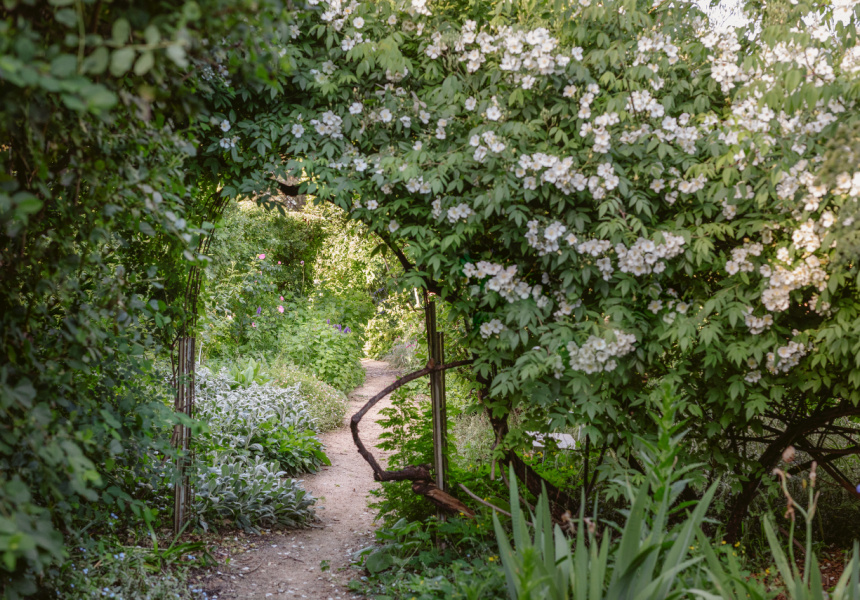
column 493, row 144
column 597, row 355
column 526, row 55
column 336, row 12
column 493, row 327
column 328, row 124
column 560, row 173
column 547, row 241
column 739, row 263
column 679, row 131
column 591, row 92
column 565, row 307
column 785, row 358
column 643, row 101
column 781, row 282
column 652, row 44
column 848, row 185
column 460, row 212
column 645, row 257
column 505, row 282
column 602, row 137
column 724, row 61
column 755, row 324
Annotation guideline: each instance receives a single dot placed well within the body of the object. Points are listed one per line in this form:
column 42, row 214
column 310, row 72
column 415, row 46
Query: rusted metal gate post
column 184, row 403
column 436, row 345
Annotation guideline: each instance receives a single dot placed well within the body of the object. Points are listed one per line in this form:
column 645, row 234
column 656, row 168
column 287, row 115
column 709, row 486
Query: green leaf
column 65, row 65
column 121, row 61
column 97, row 62
column 151, row 35
column 120, row 31
column 144, row 63
column 176, row 53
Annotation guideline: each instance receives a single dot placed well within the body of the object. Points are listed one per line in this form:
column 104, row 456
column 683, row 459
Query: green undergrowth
column 325, row 404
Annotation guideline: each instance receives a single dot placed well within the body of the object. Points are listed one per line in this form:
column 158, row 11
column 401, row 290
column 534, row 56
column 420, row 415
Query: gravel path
column 289, row 564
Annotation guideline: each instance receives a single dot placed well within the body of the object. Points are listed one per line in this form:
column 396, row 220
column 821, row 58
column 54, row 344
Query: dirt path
column 290, row 564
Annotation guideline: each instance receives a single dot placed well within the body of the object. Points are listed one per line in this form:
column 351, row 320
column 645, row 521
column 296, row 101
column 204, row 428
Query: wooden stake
column 184, row 403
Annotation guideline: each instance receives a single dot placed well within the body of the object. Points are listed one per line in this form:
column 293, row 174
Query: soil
column 314, row 563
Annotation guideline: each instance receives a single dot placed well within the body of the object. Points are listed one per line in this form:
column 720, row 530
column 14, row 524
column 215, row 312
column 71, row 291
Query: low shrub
column 325, row 404
column 244, row 373
column 122, row 574
column 407, row 562
column 404, row 355
column 295, row 451
column 264, row 420
column 331, row 351
column 249, row 492
column 235, row 417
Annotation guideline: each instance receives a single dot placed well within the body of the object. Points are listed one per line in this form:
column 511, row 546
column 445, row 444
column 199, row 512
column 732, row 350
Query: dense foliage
column 105, row 203
column 610, row 195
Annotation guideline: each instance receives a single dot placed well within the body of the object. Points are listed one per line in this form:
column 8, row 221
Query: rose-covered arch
column 611, row 194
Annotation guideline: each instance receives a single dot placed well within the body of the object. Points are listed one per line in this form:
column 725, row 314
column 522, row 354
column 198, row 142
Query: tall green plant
column 646, row 560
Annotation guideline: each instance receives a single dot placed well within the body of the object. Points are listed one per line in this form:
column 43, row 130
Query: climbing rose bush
column 611, row 193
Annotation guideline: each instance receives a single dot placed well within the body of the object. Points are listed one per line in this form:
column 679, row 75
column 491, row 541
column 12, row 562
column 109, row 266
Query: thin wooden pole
column 184, row 403
column 435, row 345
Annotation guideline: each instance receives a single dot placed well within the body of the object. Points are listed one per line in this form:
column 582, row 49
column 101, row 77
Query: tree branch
column 418, row 474
column 429, row 285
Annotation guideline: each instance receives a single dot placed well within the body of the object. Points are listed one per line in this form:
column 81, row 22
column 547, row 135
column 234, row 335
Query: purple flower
column 259, row 309
column 347, row 330
column 303, row 263
column 338, row 326
column 328, row 321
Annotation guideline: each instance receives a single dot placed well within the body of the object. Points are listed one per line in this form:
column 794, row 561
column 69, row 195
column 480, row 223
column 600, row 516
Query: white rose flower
column 471, row 103
column 358, row 22
column 225, row 125
column 493, row 113
column 356, row 108
column 297, row 130
column 385, row 115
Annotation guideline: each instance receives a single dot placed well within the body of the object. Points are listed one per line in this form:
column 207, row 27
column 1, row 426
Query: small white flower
column 393, row 226
column 471, row 103
column 417, row 146
column 493, row 113
column 225, row 125
column 358, row 22
column 356, row 108
column 297, row 130
column 385, row 115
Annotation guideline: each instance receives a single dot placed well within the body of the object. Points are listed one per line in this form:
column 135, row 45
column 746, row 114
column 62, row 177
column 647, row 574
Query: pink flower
column 279, row 262
column 261, row 256
column 282, row 298
column 253, row 324
column 280, row 309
